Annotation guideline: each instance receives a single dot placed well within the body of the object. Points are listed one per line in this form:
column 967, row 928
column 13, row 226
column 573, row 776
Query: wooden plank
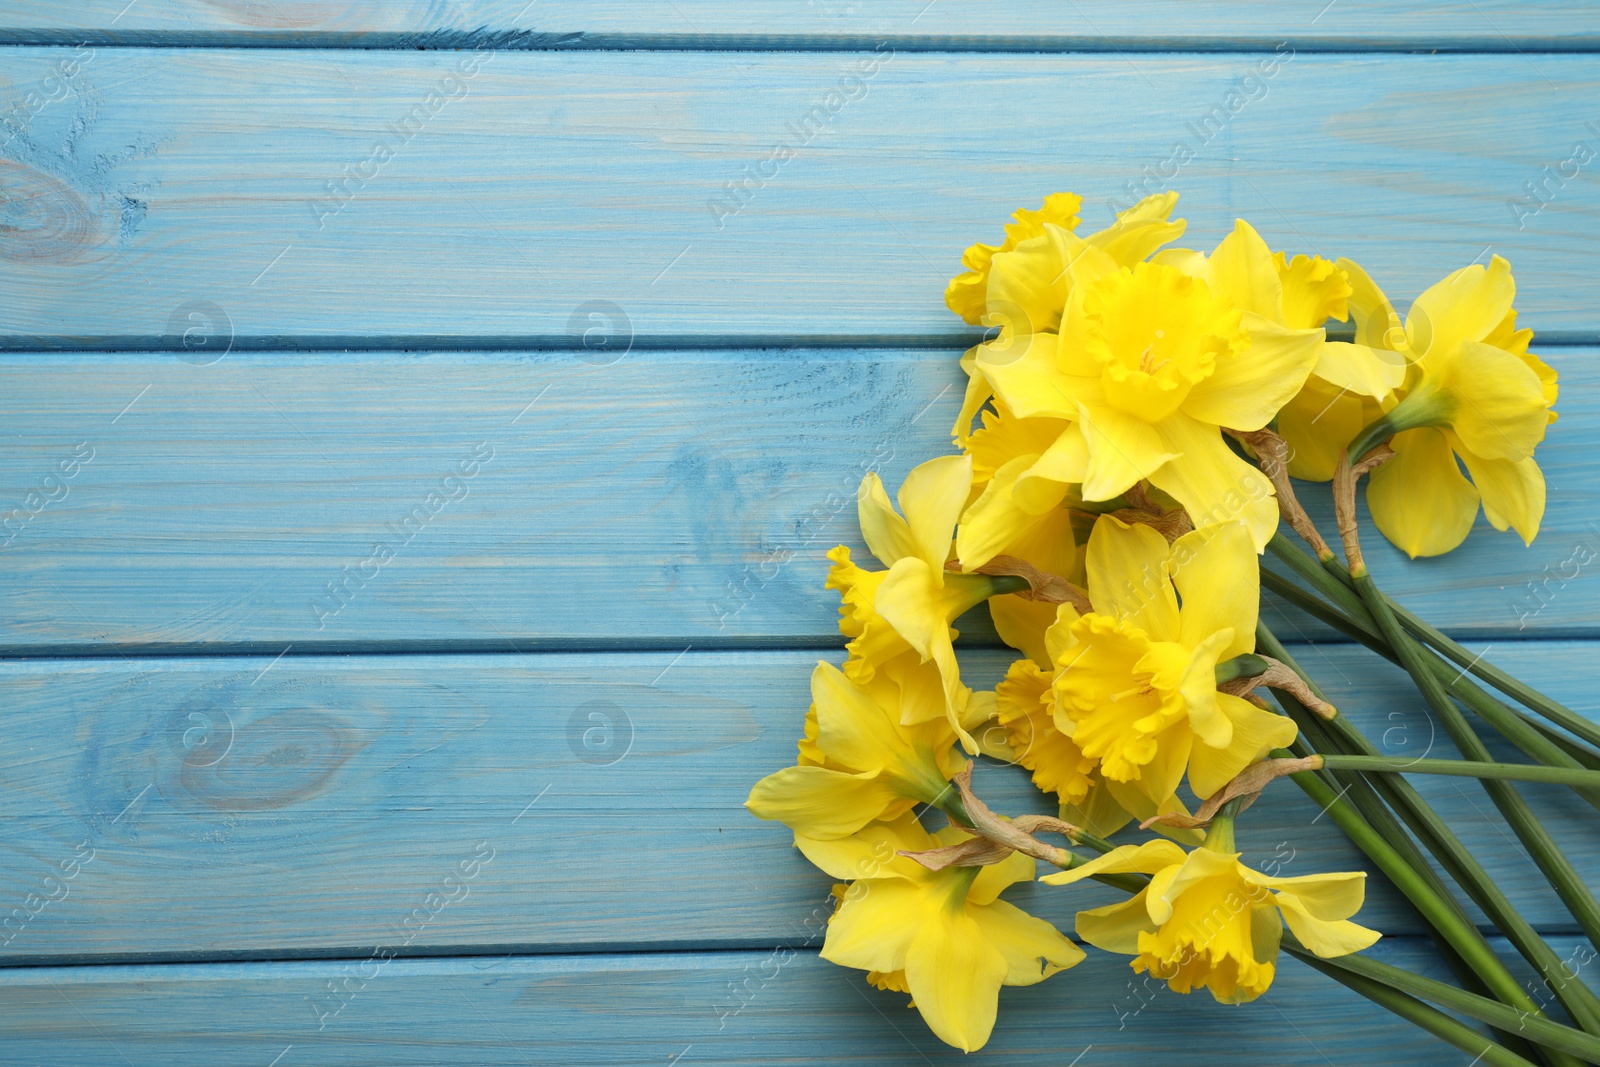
column 1501, row 25
column 226, row 808
column 730, row 1008
column 666, row 500
column 320, row 197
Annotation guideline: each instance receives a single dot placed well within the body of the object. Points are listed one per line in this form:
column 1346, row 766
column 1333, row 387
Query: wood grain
column 1499, row 25
column 665, row 500
column 306, row 805
column 501, row 205
column 725, row 1008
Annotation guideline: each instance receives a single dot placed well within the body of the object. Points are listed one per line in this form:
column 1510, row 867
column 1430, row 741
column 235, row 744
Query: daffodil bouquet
column 1126, row 445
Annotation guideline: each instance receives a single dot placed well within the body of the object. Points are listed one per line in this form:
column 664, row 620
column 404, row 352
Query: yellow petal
column 1214, row 485
column 1022, row 625
column 873, row 642
column 1420, row 499
column 1512, row 490
column 931, row 498
column 1242, row 270
column 1319, row 424
column 955, row 977
column 1314, row 291
column 1158, row 780
column 1463, row 307
column 825, row 804
column 977, row 394
column 996, row 518
column 1266, row 934
column 853, row 731
column 1042, row 486
column 887, row 535
column 1033, row 949
column 965, row 294
column 1219, row 578
column 1326, row 938
column 996, row 878
column 1098, row 812
column 1116, row 927
column 1248, row 387
column 1213, row 727
column 1128, row 577
column 1003, row 437
column 1147, row 857
column 1500, row 411
column 1140, row 230
column 1169, row 883
column 1377, row 325
column 1374, row 372
column 1255, row 733
column 1336, row 895
column 871, row 853
column 1123, row 450
column 1028, row 285
column 877, row 922
column 1022, row 709
column 1025, row 377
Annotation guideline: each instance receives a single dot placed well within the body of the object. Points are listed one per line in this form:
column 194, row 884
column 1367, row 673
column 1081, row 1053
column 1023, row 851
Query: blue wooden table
column 421, row 425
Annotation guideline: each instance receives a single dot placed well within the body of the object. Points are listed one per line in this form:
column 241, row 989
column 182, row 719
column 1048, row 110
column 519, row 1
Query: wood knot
column 42, row 218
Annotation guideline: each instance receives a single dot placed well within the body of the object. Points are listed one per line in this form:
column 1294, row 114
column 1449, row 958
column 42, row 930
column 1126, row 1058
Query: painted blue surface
column 262, row 379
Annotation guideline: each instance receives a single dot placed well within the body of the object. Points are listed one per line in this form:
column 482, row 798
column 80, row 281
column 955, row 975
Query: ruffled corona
column 1135, row 686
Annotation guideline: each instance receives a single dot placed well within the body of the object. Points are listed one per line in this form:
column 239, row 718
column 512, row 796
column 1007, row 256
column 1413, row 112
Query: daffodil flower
column 869, row 765
column 1135, row 686
column 966, row 293
column 1151, row 359
column 1208, row 920
column 1351, row 379
column 943, row 936
column 906, row 611
column 1473, row 391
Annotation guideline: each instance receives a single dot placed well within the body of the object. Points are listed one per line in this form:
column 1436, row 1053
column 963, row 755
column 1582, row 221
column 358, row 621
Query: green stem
column 1359, row 790
column 1437, row 837
column 1248, row 665
column 1578, row 998
column 1546, row 1032
column 1355, row 621
column 1515, row 772
column 1415, row 1011
column 1099, row 844
column 1319, row 574
column 1462, row 935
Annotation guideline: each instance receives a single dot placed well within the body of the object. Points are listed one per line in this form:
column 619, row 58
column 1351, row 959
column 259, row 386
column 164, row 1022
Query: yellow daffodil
column 1208, row 920
column 1024, row 283
column 905, row 612
column 1151, row 359
column 1473, row 391
column 942, row 936
column 967, row 290
column 1135, row 686
column 870, row 766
